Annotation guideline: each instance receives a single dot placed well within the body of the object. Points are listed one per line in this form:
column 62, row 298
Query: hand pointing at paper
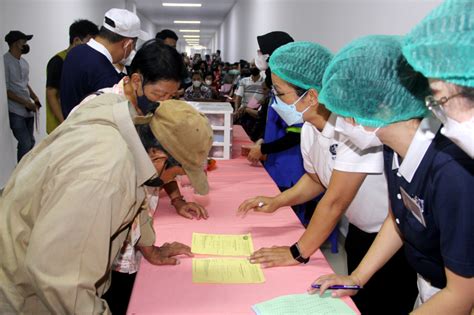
column 258, row 204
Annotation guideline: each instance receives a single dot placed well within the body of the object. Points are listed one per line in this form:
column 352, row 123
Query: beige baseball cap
column 186, row 134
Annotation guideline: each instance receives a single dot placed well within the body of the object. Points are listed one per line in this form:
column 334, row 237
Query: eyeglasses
column 435, row 106
column 275, row 92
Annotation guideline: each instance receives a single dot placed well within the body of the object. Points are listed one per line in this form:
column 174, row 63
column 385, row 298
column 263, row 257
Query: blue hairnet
column 301, row 64
column 370, row 81
column 442, row 45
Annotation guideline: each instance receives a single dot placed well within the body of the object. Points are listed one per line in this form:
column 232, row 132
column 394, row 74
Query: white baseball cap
column 124, row 23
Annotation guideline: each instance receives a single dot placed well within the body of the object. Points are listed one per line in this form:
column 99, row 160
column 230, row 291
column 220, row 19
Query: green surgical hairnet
column 301, row 64
column 370, row 80
column 442, row 45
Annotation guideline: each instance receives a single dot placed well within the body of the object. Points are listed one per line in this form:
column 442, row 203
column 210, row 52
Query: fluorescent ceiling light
column 190, row 31
column 187, row 22
column 172, row 4
column 192, row 39
column 192, row 36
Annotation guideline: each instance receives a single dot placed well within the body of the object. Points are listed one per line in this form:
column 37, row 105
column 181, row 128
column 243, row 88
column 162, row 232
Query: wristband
column 295, row 252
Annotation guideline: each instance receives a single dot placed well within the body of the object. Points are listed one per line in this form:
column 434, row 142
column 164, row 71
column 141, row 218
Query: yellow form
column 226, row 270
column 222, row 244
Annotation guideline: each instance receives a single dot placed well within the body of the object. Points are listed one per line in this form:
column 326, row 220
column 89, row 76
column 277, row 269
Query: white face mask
column 460, row 133
column 261, row 62
column 196, row 84
column 360, row 137
column 125, row 57
column 208, row 82
column 128, row 61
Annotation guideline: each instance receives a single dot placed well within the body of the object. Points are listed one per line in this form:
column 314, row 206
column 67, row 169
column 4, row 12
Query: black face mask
column 25, row 49
column 154, row 182
column 254, row 71
column 145, row 105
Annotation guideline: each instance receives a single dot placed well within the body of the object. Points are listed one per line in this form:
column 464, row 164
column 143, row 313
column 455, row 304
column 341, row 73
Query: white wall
column 7, row 146
column 332, row 23
column 48, row 21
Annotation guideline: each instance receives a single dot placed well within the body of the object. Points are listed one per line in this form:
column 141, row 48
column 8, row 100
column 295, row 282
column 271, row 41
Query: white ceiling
column 211, row 14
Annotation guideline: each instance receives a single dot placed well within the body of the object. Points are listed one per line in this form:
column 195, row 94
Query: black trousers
column 119, row 293
column 393, row 289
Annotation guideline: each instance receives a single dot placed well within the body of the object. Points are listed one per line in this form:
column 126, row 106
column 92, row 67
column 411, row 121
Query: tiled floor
column 337, row 261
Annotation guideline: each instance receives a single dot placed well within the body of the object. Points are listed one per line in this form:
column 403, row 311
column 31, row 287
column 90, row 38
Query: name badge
column 415, row 205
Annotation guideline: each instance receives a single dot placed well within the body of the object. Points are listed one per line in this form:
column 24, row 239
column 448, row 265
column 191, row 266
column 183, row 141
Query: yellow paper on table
column 222, row 244
column 226, row 270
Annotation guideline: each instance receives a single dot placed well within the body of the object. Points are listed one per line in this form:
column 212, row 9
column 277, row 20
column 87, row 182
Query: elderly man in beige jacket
column 68, row 207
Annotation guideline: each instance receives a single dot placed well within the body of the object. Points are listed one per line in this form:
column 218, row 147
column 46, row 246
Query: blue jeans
column 22, row 128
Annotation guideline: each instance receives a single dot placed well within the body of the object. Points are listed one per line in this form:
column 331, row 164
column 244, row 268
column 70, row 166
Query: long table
column 170, row 290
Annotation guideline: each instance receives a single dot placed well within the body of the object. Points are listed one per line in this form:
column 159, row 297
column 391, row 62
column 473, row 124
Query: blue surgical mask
column 288, row 112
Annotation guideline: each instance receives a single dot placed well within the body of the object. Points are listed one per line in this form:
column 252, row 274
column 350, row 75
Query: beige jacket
column 66, row 211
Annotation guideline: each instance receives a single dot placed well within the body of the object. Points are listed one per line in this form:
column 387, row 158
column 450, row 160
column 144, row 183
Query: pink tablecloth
column 169, row 289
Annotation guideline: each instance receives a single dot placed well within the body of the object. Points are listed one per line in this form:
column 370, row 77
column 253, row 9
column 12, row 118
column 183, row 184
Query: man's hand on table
column 273, row 257
column 258, row 204
column 164, row 254
column 255, row 154
column 190, row 210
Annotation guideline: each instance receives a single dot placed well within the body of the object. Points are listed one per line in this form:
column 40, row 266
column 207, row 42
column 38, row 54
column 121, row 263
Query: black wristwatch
column 295, row 252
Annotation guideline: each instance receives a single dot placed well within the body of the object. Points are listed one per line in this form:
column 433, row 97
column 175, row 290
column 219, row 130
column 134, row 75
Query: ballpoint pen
column 338, row 287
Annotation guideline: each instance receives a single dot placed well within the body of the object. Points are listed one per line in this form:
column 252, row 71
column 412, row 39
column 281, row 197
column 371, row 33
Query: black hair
column 245, row 73
column 413, row 81
column 149, row 141
column 164, row 34
column 110, row 36
column 218, row 51
column 209, row 73
column 82, row 29
column 197, row 73
column 467, row 92
column 243, row 62
column 148, row 138
column 298, row 90
column 205, row 66
column 157, row 61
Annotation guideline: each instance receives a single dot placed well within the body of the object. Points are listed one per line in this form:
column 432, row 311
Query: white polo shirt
column 324, row 151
